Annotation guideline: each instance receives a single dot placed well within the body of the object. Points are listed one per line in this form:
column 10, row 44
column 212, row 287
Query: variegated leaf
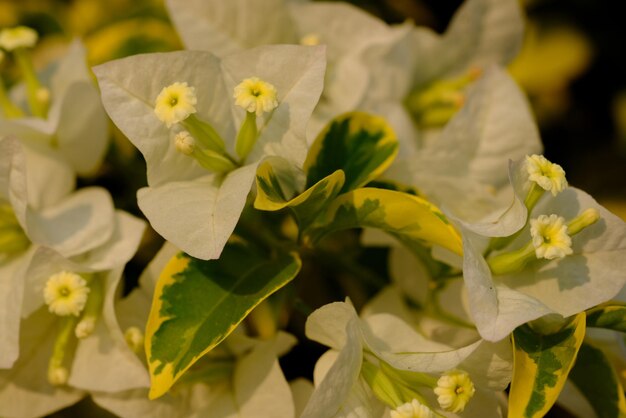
column 598, row 382
column 360, row 144
column 609, row 315
column 198, row 303
column 541, row 364
column 307, row 205
column 409, row 218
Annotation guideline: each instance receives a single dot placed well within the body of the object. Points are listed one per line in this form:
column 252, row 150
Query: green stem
column 8, row 108
column 33, row 86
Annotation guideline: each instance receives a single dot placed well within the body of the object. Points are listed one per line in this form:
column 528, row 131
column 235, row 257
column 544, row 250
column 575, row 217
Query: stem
column 8, row 108
column 33, row 86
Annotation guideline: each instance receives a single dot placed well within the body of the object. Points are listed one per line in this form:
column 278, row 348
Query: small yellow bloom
column 550, row 237
column 311, row 39
column 66, row 294
column 549, row 176
column 17, row 37
column 134, row 338
column 175, row 103
column 413, row 409
column 85, row 327
column 185, row 143
column 454, row 390
column 58, row 376
column 255, row 96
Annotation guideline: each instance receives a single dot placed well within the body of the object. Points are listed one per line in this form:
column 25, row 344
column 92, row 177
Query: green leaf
column 610, row 315
column 360, row 144
column 541, row 364
column 409, row 218
column 198, row 303
column 598, row 382
column 307, row 205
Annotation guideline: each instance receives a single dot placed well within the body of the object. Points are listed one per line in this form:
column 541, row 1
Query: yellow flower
column 550, row 237
column 134, row 338
column 175, row 103
column 549, row 176
column 17, row 37
column 413, row 409
column 256, row 96
column 454, row 390
column 66, row 293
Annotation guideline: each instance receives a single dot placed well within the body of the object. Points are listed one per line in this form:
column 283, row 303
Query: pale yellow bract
column 256, row 96
column 66, row 293
column 175, row 103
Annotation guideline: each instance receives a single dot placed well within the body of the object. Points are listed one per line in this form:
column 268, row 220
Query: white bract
column 464, row 171
column 197, row 188
column 357, row 43
column 567, row 258
column 38, row 211
column 70, row 342
column 58, row 112
column 381, row 361
column 239, row 378
column 436, row 69
column 436, row 308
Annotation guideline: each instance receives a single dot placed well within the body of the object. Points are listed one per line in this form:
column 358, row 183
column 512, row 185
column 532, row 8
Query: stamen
column 550, row 237
column 255, row 96
column 175, row 103
column 66, row 294
column 454, row 390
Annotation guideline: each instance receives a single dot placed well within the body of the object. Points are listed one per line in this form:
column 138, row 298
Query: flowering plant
column 313, row 176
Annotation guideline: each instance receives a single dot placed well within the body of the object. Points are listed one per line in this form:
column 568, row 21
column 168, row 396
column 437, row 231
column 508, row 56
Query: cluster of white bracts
column 459, row 119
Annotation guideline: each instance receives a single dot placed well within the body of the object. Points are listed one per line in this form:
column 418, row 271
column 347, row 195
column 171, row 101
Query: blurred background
column 572, row 67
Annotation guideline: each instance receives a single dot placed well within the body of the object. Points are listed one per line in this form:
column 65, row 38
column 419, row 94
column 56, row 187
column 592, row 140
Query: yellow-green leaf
column 360, row 144
column 594, row 375
column 541, row 364
column 610, row 315
column 307, row 205
column 407, row 217
column 198, row 303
